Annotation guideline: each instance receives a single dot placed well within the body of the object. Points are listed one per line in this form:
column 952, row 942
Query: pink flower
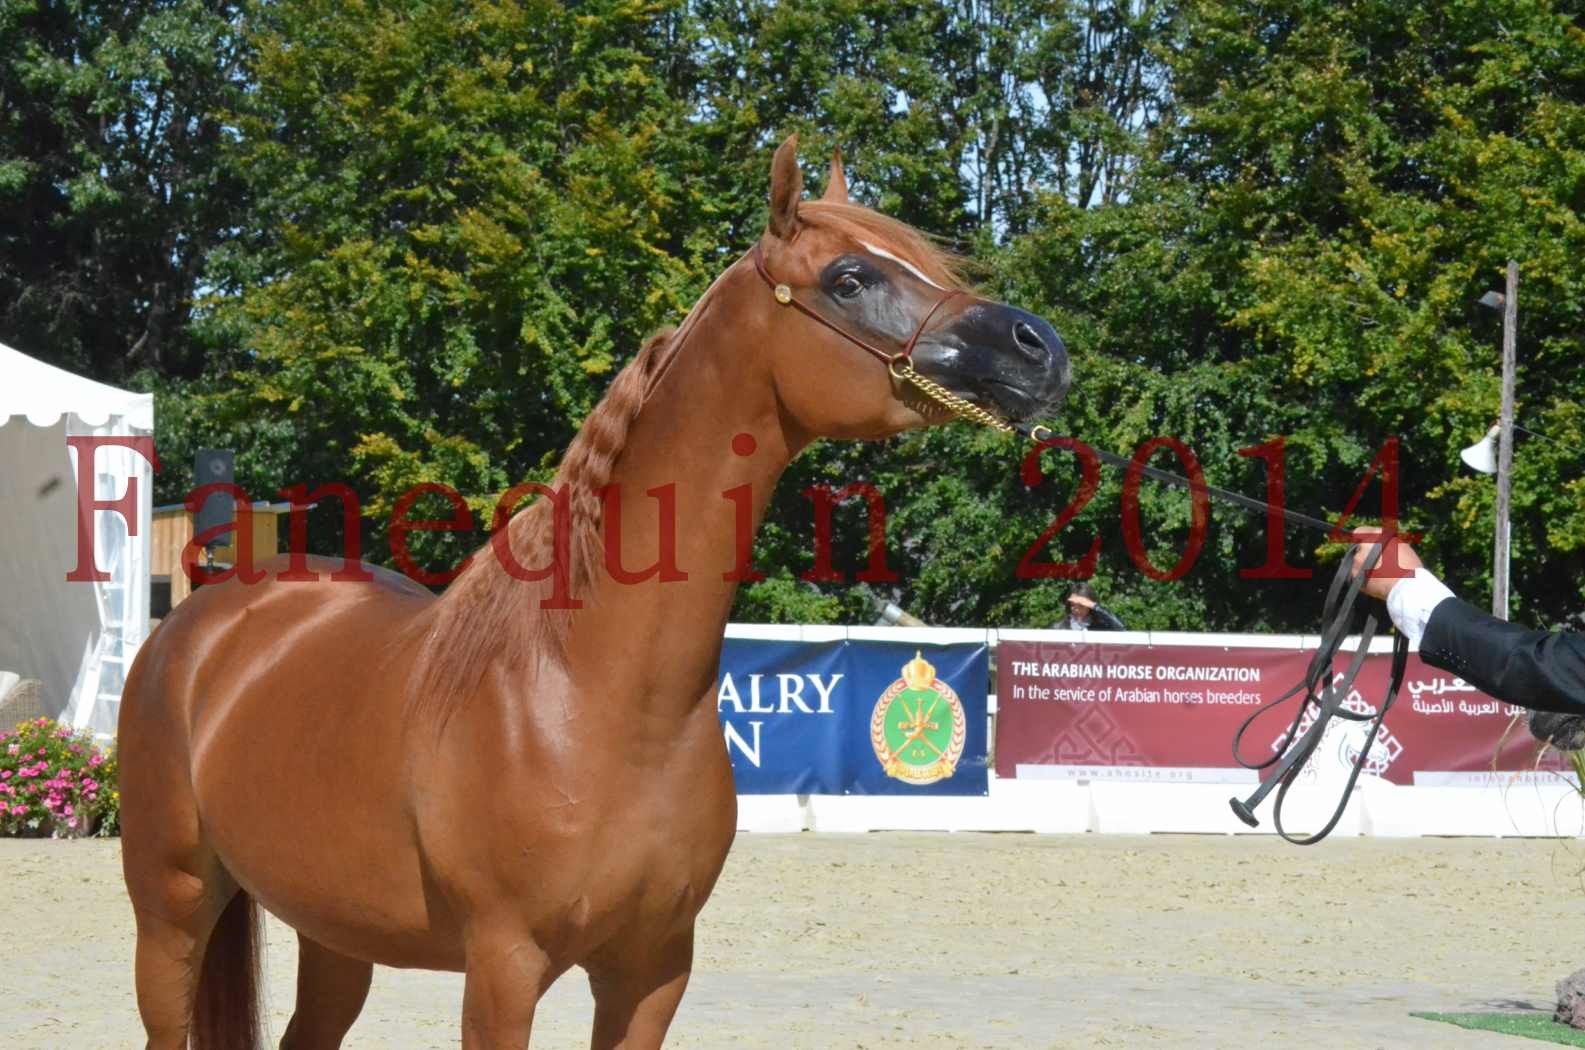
column 17, row 811
column 97, row 760
column 13, row 749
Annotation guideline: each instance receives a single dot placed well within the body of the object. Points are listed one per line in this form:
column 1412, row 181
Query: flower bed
column 56, row 782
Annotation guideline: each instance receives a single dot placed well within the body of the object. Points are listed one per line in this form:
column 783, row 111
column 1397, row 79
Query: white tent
column 77, row 637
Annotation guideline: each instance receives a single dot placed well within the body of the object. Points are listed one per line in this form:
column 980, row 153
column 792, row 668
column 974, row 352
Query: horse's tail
column 226, row 1015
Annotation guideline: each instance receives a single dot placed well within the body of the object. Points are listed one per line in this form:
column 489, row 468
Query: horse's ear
column 837, row 184
column 786, row 187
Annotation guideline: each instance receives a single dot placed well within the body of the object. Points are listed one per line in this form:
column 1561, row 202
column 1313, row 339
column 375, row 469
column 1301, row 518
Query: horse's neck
column 667, row 634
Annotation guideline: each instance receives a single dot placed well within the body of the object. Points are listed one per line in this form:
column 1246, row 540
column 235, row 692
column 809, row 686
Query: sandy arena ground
column 960, row 941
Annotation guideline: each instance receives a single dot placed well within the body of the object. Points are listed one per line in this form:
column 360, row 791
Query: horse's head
column 857, row 288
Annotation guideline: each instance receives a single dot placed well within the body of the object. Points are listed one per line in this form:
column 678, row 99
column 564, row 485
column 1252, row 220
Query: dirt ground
column 961, row 941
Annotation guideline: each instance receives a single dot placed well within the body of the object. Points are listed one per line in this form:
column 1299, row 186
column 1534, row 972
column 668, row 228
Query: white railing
column 1524, row 806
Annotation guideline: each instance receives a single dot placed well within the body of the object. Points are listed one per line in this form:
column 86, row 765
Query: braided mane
column 487, row 610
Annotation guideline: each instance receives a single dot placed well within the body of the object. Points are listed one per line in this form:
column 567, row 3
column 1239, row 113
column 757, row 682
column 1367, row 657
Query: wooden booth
column 173, row 531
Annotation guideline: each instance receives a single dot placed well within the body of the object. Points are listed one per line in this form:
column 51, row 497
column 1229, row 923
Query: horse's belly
column 354, row 890
column 303, row 797
column 331, row 862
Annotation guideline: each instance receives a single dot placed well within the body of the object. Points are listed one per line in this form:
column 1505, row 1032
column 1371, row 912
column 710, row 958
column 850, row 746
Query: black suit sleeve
column 1541, row 670
column 1104, row 619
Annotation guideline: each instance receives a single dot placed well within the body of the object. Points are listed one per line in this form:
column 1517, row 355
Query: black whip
column 1318, row 686
column 1326, row 692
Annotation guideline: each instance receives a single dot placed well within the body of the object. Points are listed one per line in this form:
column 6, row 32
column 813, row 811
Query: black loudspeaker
column 210, row 467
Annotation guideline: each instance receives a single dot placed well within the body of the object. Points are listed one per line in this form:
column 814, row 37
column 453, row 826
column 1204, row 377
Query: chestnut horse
column 488, row 782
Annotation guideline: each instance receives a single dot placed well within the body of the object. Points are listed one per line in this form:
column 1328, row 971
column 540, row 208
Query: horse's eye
column 848, row 286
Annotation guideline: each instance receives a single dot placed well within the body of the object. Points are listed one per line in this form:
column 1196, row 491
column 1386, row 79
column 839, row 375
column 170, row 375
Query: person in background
column 1541, row 670
column 1087, row 614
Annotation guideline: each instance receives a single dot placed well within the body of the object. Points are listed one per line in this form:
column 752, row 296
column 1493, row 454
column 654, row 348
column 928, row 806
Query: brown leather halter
column 784, row 295
column 900, row 366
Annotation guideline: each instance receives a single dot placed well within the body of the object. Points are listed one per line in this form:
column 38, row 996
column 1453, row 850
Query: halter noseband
column 784, row 296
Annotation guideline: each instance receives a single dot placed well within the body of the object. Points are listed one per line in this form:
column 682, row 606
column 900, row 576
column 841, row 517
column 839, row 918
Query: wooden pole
column 1501, row 554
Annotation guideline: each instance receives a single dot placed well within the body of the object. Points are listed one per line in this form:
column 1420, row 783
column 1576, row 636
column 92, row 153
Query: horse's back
column 231, row 628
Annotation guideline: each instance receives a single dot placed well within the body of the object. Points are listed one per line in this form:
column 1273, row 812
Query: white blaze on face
column 904, row 263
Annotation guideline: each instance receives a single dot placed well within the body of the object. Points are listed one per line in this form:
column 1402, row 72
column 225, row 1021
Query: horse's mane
column 487, row 610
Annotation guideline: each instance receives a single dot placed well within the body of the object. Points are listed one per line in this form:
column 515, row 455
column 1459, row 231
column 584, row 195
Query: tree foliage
column 411, row 241
column 112, row 193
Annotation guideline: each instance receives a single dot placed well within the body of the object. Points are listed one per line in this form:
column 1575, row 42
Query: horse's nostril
column 1029, row 341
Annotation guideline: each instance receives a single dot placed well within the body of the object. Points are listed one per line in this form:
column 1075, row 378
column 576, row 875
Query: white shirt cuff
column 1411, row 602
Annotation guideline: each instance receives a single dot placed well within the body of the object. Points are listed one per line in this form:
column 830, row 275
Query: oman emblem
column 918, row 728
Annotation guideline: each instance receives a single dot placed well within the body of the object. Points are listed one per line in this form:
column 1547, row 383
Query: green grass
column 1529, row 1026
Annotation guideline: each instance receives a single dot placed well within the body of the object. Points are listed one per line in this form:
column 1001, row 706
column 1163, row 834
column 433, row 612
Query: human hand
column 1397, row 562
column 1081, row 601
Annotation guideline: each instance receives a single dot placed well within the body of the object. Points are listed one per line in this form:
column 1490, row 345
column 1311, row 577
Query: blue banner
column 854, row 717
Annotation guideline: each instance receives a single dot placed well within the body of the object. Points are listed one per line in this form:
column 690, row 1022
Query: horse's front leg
column 635, row 996
column 506, row 975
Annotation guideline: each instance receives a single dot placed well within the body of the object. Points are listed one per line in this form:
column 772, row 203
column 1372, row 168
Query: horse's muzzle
column 1000, row 357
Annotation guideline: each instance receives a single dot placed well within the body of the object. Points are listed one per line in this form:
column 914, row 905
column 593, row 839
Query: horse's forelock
column 897, row 238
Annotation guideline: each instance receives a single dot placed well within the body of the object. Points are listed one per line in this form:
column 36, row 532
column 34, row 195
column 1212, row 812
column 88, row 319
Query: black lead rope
column 1326, row 693
column 1320, row 691
column 1237, row 499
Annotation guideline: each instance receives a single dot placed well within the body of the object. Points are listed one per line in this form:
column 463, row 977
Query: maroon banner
column 1168, row 713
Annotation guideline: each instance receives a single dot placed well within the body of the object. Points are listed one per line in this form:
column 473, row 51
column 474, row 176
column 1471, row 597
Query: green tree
column 421, row 237
column 960, row 119
column 466, row 216
column 1365, row 170
column 1296, row 252
column 112, row 193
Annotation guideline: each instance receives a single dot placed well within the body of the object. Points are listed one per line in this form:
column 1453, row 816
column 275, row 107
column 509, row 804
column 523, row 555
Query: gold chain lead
column 902, row 368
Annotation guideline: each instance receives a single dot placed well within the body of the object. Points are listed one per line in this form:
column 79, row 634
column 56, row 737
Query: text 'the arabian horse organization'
column 507, row 780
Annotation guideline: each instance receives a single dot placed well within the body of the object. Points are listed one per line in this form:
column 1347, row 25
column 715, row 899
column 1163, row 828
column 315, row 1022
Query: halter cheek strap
column 784, row 296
